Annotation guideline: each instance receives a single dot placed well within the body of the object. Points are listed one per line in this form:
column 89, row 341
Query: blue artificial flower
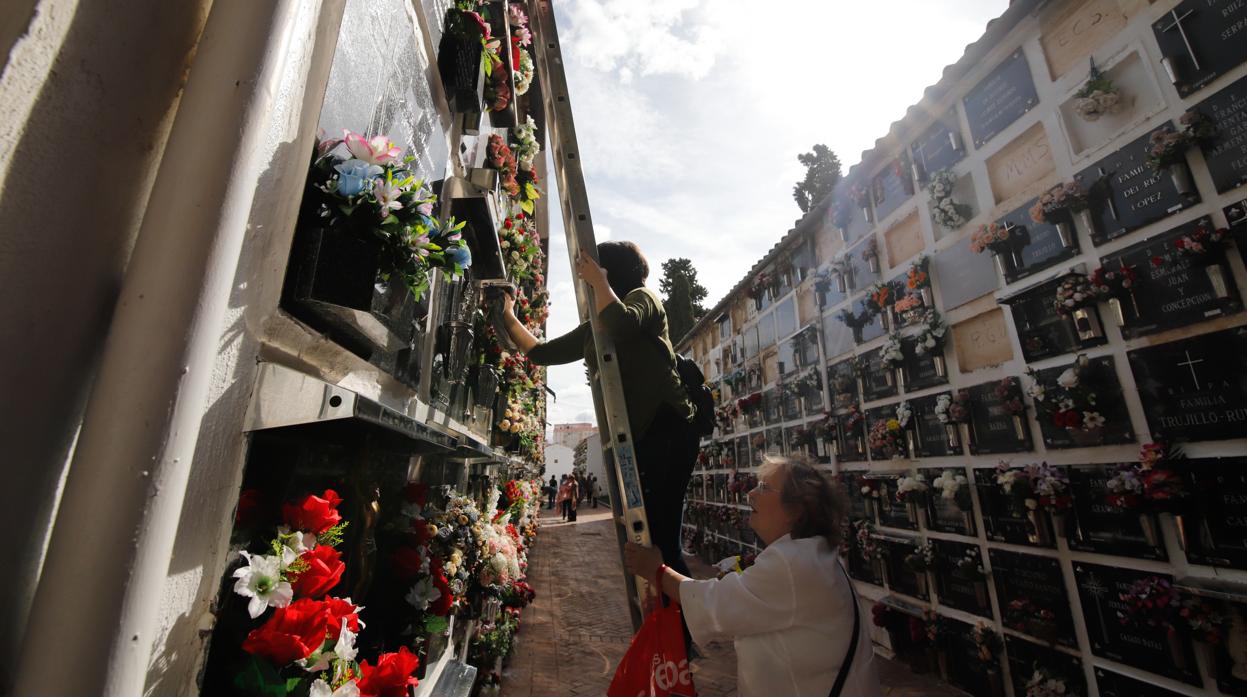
column 354, row 176
column 460, row 254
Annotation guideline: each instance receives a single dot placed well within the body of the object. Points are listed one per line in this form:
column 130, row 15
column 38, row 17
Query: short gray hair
column 819, row 504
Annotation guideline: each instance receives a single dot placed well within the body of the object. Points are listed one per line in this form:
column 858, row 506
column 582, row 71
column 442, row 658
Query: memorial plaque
column 943, row 515
column 1025, row 656
column 1117, row 685
column 1003, row 520
column 1101, row 378
column 982, row 341
column 1226, row 155
column 963, row 274
column 1173, row 290
column 1042, row 249
column 1021, row 165
column 932, row 437
column 966, row 669
column 993, row 428
column 842, row 384
column 892, row 513
column 1150, row 648
column 892, row 187
column 939, row 147
column 921, row 370
column 1202, row 40
column 1194, row 389
column 1127, row 193
column 1216, row 530
column 857, row 223
column 878, row 380
column 900, row 578
column 1097, row 526
column 837, row 337
column 1031, row 591
column 1042, row 332
column 957, row 589
column 852, row 428
column 1001, row 98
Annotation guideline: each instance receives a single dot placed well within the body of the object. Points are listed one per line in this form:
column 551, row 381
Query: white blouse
column 791, row 615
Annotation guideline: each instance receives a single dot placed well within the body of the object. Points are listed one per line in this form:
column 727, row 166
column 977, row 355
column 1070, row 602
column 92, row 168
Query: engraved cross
column 1177, row 24
column 1190, row 364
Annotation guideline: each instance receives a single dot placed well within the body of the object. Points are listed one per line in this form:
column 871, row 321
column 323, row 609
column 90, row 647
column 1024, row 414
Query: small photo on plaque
column 1031, row 590
column 1119, row 608
column 1194, row 389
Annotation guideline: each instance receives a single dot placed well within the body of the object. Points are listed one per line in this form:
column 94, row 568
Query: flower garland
column 527, row 147
column 945, row 210
column 1152, row 484
column 370, row 192
column 1070, row 403
column 1201, row 243
column 1114, row 283
column 521, row 248
column 521, row 38
column 1150, row 602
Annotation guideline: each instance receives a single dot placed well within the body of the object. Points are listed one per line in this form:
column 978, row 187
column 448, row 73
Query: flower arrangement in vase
column 872, row 491
column 1024, row 615
column 887, row 439
column 918, row 280
column 892, row 356
column 1205, row 246
column 1008, row 394
column 867, row 549
column 969, row 567
column 879, row 300
column 1052, row 492
column 912, row 491
column 909, row 309
column 1044, row 683
column 1019, row 489
column 987, row 647
column 1167, row 148
column 860, row 195
column 930, row 341
column 521, row 39
column 1148, row 487
column 1002, row 241
column 1058, row 206
column 854, row 321
column 851, row 422
column 841, row 270
column 1072, row 402
column 920, row 561
column 953, row 409
column 870, row 254
column 1152, row 603
column 369, row 194
column 1075, row 297
column 945, row 210
column 954, row 487
column 1097, row 97
column 1117, row 286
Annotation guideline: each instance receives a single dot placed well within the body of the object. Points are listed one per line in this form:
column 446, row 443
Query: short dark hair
column 820, row 505
column 626, row 268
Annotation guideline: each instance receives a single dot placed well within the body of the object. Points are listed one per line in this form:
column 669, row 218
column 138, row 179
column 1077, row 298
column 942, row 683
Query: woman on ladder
column 659, row 411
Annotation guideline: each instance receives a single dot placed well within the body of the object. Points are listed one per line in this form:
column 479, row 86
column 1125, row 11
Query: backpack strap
column 847, row 665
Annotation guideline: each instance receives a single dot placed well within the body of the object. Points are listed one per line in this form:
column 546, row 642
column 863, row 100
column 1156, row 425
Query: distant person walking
column 593, row 489
column 564, row 497
column 552, row 490
column 574, row 498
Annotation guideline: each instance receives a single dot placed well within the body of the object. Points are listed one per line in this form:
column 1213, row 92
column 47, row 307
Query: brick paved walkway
column 572, row 637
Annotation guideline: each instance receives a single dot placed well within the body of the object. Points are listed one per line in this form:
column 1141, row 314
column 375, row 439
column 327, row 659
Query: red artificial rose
column 314, row 513
column 249, row 504
column 1067, row 419
column 1157, row 261
column 292, row 633
column 406, row 563
column 340, row 609
column 323, row 572
column 416, row 493
column 391, row 677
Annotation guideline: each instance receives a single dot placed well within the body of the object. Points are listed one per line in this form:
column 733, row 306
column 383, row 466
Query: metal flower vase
column 1181, row 178
column 1151, row 528
column 1087, row 324
column 1216, row 273
column 1065, row 230
column 1037, row 531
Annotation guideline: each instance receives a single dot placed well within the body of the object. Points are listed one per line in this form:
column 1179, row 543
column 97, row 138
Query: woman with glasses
column 793, row 615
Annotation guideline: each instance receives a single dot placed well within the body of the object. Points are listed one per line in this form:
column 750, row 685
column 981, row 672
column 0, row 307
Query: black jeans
column 665, row 455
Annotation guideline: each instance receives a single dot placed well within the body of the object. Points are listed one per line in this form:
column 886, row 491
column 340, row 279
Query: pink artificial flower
column 375, row 151
column 387, row 194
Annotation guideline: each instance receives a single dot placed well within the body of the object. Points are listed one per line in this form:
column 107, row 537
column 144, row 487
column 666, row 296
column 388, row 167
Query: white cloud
column 690, row 115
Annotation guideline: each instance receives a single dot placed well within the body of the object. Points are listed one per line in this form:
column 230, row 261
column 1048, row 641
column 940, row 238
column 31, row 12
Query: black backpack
column 698, row 393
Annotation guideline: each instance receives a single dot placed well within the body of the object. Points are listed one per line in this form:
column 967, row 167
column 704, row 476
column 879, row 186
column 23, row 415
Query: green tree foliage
column 679, row 306
column 822, row 173
column 680, row 266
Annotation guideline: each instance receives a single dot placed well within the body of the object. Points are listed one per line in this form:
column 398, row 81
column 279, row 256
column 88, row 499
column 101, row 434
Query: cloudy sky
column 690, row 115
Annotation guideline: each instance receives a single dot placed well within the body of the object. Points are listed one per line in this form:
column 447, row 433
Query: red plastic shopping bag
column 656, row 664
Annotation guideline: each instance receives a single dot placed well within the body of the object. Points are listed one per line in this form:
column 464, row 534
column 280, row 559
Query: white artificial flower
column 345, row 648
column 1092, row 419
column 296, row 541
column 320, row 688
column 261, row 581
column 1068, row 379
column 1037, row 392
column 423, row 593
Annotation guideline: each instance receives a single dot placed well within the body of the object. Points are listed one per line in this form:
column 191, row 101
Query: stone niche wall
column 1166, row 360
